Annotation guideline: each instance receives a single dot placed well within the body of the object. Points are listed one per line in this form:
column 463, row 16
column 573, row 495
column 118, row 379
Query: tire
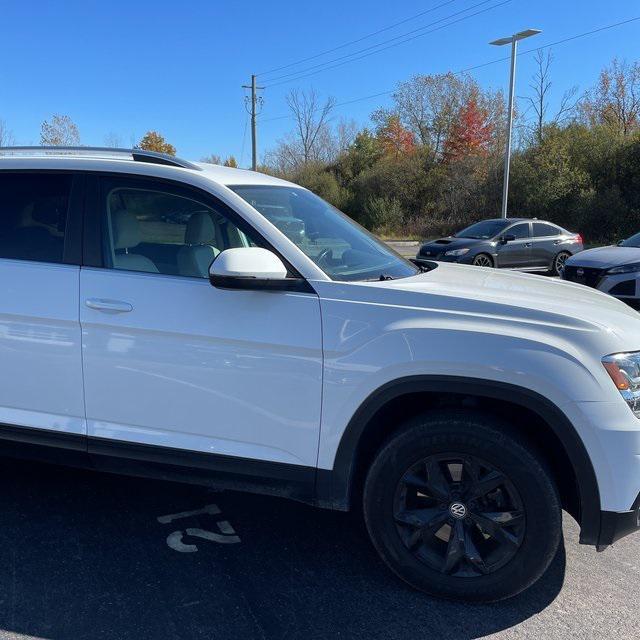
column 477, row 560
column 558, row 263
column 483, row 260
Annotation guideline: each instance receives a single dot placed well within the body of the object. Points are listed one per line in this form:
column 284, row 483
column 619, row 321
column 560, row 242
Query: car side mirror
column 252, row 268
column 507, row 238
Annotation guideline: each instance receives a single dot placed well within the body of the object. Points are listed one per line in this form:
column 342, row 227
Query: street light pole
column 507, row 152
column 513, row 41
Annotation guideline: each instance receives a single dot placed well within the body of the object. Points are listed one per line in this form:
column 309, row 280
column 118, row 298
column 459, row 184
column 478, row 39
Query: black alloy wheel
column 459, row 515
column 459, row 504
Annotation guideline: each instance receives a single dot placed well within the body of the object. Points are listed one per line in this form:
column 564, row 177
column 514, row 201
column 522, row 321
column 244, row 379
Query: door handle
column 109, row 306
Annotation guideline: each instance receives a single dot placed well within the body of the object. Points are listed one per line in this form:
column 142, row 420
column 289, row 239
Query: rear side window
column 519, row 231
column 542, row 229
column 33, row 215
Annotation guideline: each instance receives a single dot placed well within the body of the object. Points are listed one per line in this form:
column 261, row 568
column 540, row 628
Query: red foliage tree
column 471, row 133
column 395, row 139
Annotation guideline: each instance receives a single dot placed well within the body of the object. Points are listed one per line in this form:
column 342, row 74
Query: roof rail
column 139, row 155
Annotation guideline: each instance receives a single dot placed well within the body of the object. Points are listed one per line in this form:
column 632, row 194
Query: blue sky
column 123, row 68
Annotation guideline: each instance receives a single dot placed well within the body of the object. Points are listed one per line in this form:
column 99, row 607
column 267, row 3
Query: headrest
column 200, row 230
column 126, row 230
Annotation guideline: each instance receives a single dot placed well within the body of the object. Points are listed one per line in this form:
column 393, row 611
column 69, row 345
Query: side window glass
column 159, row 231
column 520, row 231
column 541, row 230
column 33, row 215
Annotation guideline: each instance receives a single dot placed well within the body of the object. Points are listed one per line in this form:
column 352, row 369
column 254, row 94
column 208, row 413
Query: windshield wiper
column 384, row 276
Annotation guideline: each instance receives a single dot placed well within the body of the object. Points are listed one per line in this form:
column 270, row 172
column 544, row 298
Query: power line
column 482, row 65
column 367, row 51
column 366, row 37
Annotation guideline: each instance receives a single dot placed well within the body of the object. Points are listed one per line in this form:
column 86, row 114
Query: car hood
column 508, row 301
column 447, row 244
column 605, row 257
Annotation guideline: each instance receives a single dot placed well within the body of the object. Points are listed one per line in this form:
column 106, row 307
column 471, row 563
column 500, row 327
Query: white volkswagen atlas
column 224, row 327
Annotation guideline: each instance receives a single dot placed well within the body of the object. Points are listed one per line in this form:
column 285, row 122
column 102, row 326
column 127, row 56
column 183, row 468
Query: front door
column 516, row 252
column 173, row 362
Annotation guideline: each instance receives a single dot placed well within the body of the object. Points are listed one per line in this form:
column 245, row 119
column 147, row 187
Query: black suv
column 513, row 243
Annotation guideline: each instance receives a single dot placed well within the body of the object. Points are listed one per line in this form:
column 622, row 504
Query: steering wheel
column 323, row 256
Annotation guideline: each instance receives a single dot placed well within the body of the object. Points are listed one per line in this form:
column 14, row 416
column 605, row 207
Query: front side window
column 338, row 245
column 484, row 230
column 520, row 231
column 33, row 215
column 158, row 230
column 633, row 241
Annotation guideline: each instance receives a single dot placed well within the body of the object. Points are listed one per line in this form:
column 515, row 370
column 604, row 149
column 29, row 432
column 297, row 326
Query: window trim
column 72, row 243
column 95, row 216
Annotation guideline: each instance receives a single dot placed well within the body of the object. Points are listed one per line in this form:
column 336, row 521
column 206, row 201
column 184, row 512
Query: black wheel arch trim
column 334, row 487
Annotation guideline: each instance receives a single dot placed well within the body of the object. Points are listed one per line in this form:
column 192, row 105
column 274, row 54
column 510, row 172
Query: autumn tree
column 472, row 132
column 427, row 105
column 615, row 100
column 394, row 138
column 231, row 162
column 61, row 131
column 153, row 141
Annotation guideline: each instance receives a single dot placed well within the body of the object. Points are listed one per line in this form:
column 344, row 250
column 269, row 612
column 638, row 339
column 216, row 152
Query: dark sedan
column 512, row 243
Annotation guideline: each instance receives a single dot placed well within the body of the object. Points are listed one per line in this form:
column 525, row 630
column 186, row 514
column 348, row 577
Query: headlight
column 625, row 268
column 456, row 252
column 624, row 369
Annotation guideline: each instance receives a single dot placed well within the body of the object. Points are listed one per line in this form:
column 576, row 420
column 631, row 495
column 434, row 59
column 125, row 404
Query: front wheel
column 483, row 260
column 460, row 509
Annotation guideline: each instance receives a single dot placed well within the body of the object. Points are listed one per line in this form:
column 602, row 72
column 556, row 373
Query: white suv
column 461, row 408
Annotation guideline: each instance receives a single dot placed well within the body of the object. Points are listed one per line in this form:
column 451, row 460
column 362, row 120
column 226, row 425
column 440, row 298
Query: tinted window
column 159, row 230
column 633, row 241
column 541, row 229
column 519, row 231
column 483, row 230
column 33, row 215
column 339, row 246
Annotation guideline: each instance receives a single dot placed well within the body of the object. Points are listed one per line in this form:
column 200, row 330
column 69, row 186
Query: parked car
column 512, row 243
column 459, row 408
column 613, row 269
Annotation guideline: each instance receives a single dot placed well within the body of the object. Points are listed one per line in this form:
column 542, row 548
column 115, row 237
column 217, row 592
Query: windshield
column 338, row 245
column 633, row 241
column 483, row 230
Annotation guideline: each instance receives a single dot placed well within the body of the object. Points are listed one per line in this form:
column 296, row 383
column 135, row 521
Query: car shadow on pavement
column 83, row 555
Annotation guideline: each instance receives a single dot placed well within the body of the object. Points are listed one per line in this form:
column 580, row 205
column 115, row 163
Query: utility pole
column 513, row 41
column 254, row 103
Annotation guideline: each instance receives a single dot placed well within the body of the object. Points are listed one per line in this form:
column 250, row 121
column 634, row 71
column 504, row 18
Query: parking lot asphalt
column 88, row 555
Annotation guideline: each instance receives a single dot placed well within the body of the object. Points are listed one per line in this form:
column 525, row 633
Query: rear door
column 40, row 359
column 516, row 253
column 173, row 362
column 544, row 243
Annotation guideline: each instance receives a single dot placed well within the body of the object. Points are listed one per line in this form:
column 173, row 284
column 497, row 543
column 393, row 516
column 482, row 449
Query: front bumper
column 624, row 286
